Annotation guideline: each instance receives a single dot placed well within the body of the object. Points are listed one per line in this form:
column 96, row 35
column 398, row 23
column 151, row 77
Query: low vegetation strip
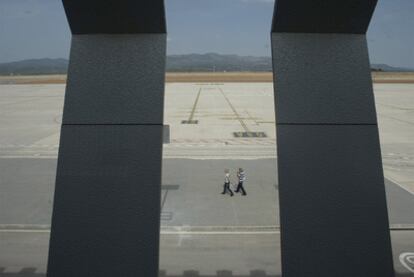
column 207, row 77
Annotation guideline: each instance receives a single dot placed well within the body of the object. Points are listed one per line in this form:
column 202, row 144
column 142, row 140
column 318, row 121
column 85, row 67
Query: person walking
column 242, row 177
column 227, row 183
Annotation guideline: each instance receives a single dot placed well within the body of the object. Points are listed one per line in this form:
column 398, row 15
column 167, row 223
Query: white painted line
column 219, row 158
column 165, row 230
column 28, row 157
column 24, row 231
column 189, row 233
column 220, row 233
column 165, row 157
column 25, row 226
column 185, row 230
column 407, row 260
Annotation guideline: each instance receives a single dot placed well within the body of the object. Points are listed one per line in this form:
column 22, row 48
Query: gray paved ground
column 190, row 199
column 203, row 254
column 192, row 177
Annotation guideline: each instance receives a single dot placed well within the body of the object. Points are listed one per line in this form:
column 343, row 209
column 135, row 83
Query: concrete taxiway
column 213, row 126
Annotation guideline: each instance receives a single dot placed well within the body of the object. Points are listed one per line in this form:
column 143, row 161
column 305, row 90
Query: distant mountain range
column 387, row 68
column 217, row 62
column 35, row 67
column 175, row 63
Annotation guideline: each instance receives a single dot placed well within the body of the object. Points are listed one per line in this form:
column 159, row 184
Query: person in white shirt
column 227, row 183
column 242, row 177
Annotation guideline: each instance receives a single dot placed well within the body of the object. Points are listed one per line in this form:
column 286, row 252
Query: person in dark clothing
column 227, row 183
column 242, row 177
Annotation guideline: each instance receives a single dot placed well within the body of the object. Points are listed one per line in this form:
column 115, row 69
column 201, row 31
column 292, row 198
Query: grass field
column 208, row 77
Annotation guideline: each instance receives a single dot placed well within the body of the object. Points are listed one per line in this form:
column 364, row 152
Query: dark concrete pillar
column 333, row 208
column 107, row 198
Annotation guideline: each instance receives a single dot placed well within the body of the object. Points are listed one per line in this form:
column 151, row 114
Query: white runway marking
column 222, row 233
column 189, row 233
column 407, row 260
column 33, row 231
column 186, row 230
column 167, row 230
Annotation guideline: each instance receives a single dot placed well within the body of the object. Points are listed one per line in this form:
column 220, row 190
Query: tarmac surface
column 213, row 126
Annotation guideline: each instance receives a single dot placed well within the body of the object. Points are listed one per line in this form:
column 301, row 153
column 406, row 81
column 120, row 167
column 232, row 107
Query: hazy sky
column 38, row 29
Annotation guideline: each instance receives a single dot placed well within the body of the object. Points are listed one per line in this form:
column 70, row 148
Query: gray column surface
column 333, row 209
column 107, row 197
column 116, row 79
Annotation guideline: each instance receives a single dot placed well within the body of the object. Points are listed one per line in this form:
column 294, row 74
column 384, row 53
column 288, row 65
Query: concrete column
column 107, row 200
column 333, row 210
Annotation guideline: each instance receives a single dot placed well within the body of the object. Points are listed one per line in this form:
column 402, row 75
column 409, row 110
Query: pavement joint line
column 394, row 107
column 397, row 119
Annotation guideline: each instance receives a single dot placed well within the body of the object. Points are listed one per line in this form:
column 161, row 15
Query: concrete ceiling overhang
column 323, row 16
column 115, row 16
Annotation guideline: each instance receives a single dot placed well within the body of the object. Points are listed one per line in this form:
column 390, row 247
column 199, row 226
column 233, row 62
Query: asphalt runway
column 213, row 126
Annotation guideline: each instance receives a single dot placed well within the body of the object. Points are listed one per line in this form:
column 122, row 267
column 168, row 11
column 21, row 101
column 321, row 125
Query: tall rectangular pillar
column 333, row 210
column 106, row 211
